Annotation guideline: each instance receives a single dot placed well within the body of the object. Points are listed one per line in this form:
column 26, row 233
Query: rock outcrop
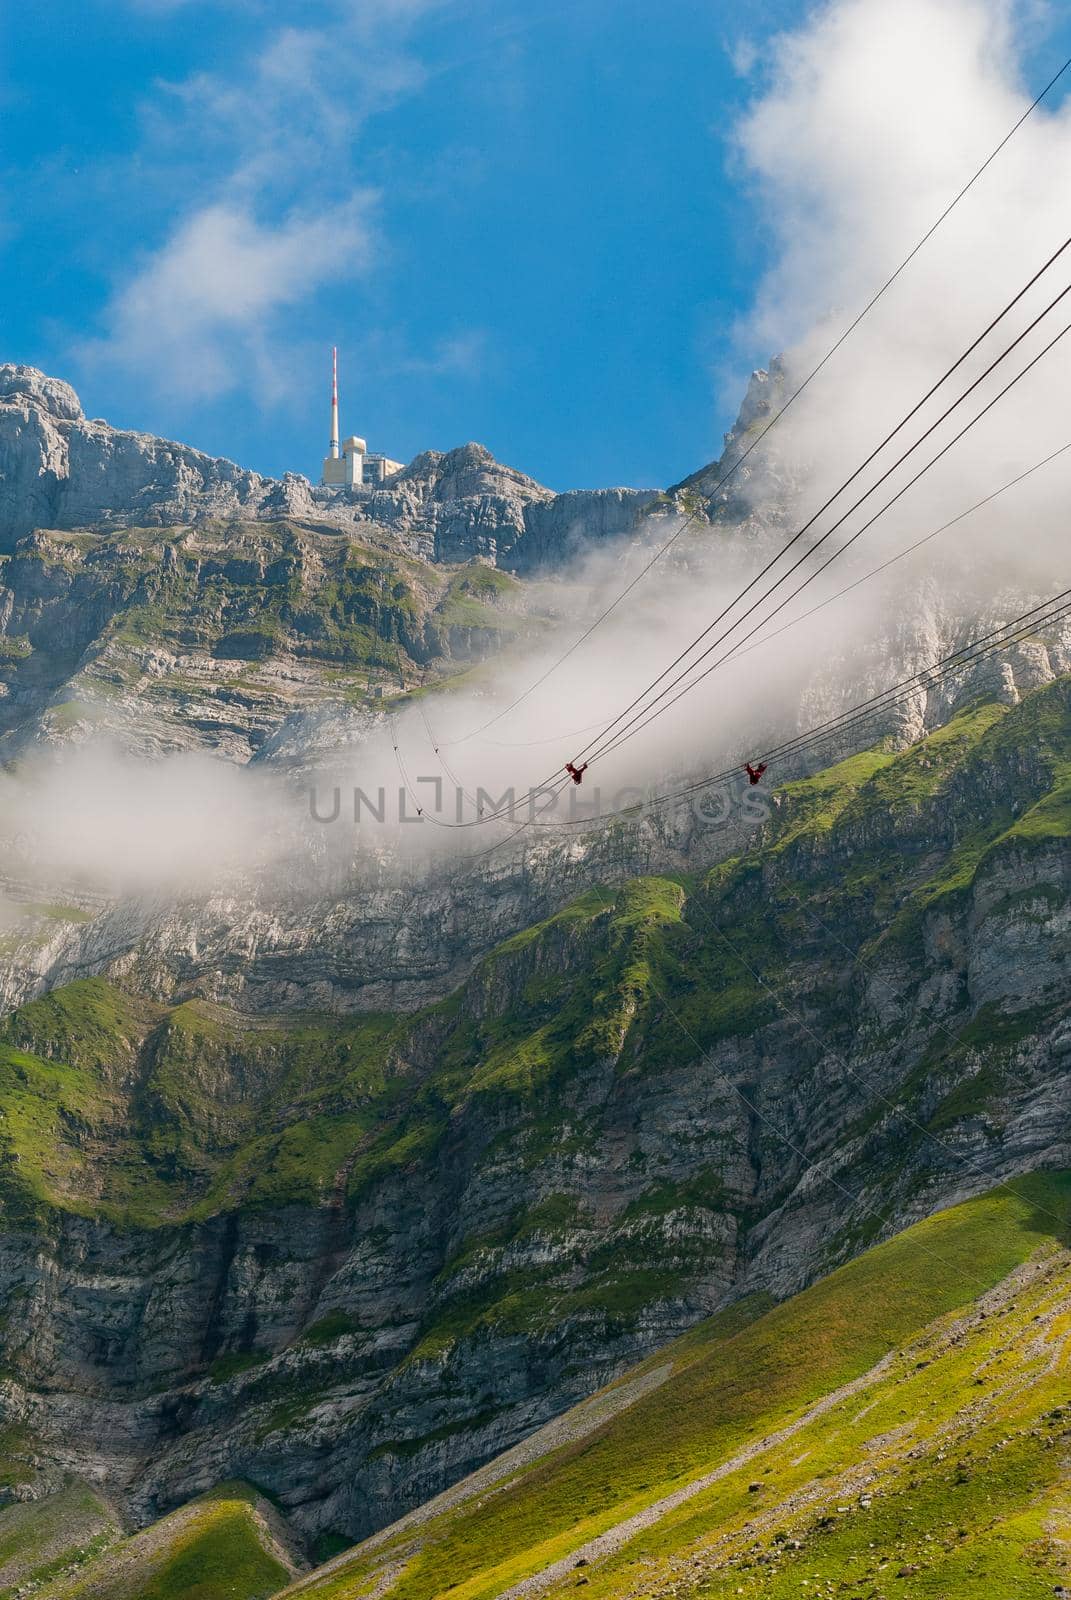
column 59, row 470
column 558, row 530
column 177, row 638
column 459, row 504
column 754, row 468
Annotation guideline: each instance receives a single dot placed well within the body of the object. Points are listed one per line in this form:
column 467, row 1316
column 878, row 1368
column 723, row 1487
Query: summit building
column 352, row 465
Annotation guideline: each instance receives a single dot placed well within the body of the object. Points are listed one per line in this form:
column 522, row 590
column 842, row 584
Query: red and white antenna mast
column 333, row 450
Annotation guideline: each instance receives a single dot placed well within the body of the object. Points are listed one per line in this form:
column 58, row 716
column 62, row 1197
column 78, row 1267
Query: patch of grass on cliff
column 555, row 1216
column 730, row 1386
column 591, row 904
column 234, row 1362
column 580, row 1015
column 705, row 1190
column 45, row 1108
column 1041, row 825
column 400, row 1148
column 88, row 1023
column 1049, row 819
column 589, row 985
column 56, row 911
column 923, row 770
column 473, row 597
column 16, row 1455
column 814, row 805
column 301, row 1164
column 316, row 1082
column 215, row 1548
column 979, row 751
column 125, row 1109
column 326, row 1329
column 534, row 1298
column 980, row 1054
column 406, row 1448
column 517, row 1302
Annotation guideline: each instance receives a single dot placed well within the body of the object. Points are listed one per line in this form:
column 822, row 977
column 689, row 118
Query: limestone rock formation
column 342, row 1181
column 762, row 470
column 364, row 1254
column 59, row 470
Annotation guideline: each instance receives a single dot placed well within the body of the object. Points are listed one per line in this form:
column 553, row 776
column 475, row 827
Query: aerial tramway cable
column 708, row 497
column 645, row 714
column 1046, row 614
column 594, row 748
column 901, row 555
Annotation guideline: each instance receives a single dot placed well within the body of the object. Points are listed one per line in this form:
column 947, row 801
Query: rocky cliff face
column 187, row 637
column 763, row 484
column 59, row 470
column 344, row 1184
column 350, row 1260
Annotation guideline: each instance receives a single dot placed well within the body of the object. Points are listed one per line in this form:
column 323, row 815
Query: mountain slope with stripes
column 901, row 1428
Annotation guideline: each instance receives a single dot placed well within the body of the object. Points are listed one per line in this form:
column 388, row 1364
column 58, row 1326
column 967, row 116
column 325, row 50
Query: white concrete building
column 351, row 466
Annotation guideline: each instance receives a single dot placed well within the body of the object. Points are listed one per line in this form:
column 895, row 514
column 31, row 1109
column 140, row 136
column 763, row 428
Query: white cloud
column 270, row 150
column 872, row 119
column 200, row 309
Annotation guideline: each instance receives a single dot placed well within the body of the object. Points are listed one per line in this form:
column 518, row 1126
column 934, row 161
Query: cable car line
column 640, row 715
column 738, row 463
column 1045, row 614
column 643, row 718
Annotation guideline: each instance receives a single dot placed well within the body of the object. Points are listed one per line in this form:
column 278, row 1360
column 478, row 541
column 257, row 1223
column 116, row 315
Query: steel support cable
column 555, row 738
column 649, row 713
column 1046, row 614
column 1006, row 634
column 646, row 714
column 709, row 496
column 928, row 678
column 774, row 559
column 809, row 524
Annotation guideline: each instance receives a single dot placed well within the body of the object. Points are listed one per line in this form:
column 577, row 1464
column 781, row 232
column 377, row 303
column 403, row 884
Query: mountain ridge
column 62, row 471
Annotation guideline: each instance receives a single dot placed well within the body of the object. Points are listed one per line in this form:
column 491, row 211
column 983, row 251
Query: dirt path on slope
column 608, row 1543
column 611, row 1541
column 573, row 1425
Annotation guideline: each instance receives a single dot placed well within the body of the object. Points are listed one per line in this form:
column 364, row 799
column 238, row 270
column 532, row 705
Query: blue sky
column 521, row 223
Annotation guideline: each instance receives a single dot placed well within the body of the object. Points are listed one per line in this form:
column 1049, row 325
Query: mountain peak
column 30, row 385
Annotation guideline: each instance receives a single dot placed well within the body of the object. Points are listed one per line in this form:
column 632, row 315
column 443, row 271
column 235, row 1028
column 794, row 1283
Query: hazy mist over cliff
column 841, row 199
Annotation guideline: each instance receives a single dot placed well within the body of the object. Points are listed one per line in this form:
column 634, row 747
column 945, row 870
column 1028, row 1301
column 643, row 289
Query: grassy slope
column 41, row 1538
column 733, row 1387
column 219, row 1547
